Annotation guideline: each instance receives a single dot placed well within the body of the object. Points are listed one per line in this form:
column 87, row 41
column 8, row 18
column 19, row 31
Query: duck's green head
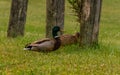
column 55, row 31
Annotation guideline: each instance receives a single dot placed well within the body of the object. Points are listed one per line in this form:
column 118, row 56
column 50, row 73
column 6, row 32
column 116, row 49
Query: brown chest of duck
column 46, row 44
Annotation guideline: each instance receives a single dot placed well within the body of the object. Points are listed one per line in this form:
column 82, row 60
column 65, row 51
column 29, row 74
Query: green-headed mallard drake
column 47, row 44
column 68, row 39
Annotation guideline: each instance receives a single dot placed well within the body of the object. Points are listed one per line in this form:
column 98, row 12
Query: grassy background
column 69, row 60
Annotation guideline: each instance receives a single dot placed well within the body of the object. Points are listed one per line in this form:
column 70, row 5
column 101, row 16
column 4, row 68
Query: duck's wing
column 44, row 45
column 35, row 43
column 41, row 41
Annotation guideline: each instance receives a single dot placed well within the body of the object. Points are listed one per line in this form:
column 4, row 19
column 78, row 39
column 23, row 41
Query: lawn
column 68, row 60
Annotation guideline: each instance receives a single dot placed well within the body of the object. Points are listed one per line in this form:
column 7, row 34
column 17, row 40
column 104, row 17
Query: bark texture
column 90, row 18
column 55, row 15
column 17, row 18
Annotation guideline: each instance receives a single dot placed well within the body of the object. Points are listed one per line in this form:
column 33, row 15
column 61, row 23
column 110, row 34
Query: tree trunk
column 55, row 15
column 17, row 18
column 90, row 18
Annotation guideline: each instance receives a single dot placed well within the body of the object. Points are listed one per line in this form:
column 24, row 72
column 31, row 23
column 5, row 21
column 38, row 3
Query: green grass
column 69, row 60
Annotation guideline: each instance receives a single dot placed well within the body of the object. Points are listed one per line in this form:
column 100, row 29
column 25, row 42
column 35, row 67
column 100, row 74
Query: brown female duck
column 68, row 39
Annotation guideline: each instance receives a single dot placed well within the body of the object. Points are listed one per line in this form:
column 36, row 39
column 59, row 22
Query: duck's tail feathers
column 26, row 48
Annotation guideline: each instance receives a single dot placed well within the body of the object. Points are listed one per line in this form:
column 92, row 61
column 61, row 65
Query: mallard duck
column 46, row 44
column 68, row 39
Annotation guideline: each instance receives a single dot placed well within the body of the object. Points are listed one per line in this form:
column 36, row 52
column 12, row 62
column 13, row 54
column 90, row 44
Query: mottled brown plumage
column 68, row 39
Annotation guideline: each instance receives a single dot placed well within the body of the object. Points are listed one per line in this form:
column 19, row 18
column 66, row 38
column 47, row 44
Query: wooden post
column 90, row 18
column 17, row 18
column 55, row 15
